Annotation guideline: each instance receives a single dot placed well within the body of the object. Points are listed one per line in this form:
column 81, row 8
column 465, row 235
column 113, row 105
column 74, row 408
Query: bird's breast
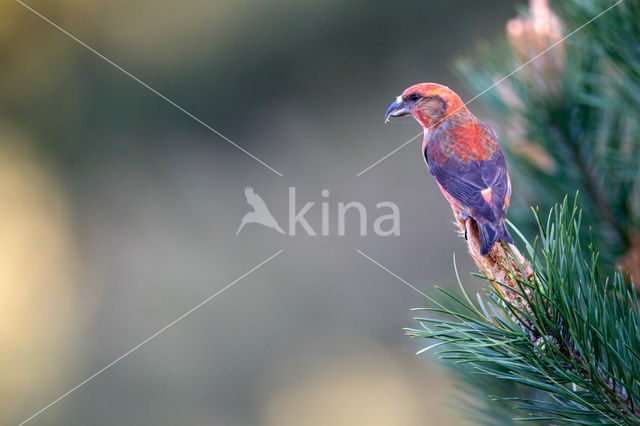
column 425, row 139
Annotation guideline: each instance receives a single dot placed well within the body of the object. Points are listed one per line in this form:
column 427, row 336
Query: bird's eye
column 413, row 97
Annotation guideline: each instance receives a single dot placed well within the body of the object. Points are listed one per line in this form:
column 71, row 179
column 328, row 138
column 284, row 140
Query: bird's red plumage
column 465, row 158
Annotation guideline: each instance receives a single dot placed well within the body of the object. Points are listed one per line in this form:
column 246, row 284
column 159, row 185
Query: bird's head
column 428, row 103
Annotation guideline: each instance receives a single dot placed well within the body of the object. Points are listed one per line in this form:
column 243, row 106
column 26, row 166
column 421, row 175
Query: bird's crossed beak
column 398, row 108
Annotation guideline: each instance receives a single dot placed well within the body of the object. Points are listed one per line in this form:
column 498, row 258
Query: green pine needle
column 579, row 355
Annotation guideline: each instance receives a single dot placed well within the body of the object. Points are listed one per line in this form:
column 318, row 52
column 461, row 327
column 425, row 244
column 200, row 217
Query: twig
column 506, row 269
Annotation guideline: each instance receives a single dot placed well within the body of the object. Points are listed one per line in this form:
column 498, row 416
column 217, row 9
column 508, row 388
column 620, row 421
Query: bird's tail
column 277, row 227
column 492, row 232
column 241, row 226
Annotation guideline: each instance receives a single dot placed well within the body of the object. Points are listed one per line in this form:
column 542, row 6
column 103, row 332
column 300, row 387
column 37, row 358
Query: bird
column 463, row 155
column 260, row 213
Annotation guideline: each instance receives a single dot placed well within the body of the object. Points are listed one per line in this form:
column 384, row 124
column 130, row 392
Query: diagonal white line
column 390, row 154
column 146, row 86
column 393, row 274
column 495, row 84
column 160, row 331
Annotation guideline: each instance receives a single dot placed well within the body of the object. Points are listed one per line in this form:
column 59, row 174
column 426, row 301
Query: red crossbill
column 463, row 155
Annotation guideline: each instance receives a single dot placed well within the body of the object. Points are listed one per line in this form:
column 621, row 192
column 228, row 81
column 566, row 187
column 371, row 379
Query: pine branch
column 513, row 277
column 552, row 323
column 557, row 335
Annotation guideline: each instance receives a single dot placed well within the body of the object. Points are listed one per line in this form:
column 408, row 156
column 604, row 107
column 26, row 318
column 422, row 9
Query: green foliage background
column 585, row 117
column 570, row 122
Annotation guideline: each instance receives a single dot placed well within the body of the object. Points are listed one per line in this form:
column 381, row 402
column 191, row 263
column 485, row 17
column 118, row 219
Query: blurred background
column 118, row 212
